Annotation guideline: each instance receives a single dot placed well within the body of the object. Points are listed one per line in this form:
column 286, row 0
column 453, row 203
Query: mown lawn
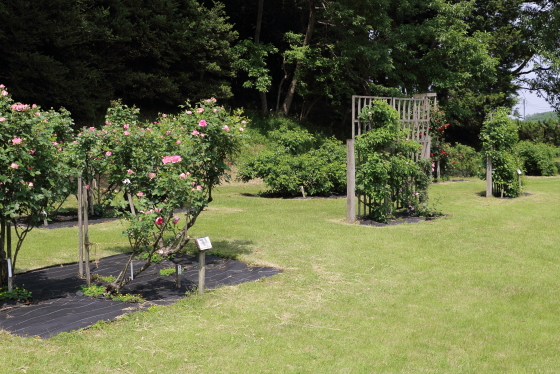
column 474, row 292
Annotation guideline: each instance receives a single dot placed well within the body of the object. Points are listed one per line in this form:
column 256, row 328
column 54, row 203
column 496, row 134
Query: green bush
column 499, row 136
column 538, row 159
column 386, row 172
column 463, row 161
column 299, row 158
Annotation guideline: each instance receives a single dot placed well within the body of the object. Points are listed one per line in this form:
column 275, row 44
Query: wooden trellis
column 415, row 119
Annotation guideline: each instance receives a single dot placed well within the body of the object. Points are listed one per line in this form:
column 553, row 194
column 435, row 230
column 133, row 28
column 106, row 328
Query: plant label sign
column 203, row 243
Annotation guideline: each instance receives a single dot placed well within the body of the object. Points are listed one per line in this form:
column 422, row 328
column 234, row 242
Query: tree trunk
column 308, row 34
column 262, row 95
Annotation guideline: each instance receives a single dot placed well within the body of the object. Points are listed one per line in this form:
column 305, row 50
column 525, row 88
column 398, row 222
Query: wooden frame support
column 350, row 181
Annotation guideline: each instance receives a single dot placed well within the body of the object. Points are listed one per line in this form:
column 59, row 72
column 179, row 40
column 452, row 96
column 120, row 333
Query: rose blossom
column 176, row 219
column 108, row 153
column 129, row 171
column 172, row 159
column 152, row 175
column 140, row 194
column 14, row 165
column 16, row 140
column 159, row 221
column 202, row 123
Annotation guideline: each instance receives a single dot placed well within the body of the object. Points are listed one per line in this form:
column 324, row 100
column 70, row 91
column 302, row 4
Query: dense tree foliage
column 82, row 54
column 299, row 57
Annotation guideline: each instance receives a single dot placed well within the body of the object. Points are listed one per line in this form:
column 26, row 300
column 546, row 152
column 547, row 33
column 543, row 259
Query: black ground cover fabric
column 57, row 305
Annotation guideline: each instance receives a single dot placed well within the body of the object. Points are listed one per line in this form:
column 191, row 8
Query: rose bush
column 172, row 163
column 34, row 174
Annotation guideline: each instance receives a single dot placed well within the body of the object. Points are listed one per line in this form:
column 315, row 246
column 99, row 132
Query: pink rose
column 226, row 128
column 183, row 175
column 195, row 133
column 167, row 132
column 244, row 122
column 129, row 171
column 164, row 115
column 16, row 140
column 152, row 175
column 30, row 184
column 140, row 194
column 241, row 129
column 108, row 153
column 87, row 186
column 178, row 142
column 159, row 221
column 126, row 127
column 32, row 152
column 13, row 165
column 176, row 219
column 4, row 93
column 188, row 112
column 158, row 210
column 199, row 188
column 200, row 110
column 2, row 119
column 126, row 133
column 171, row 159
column 202, row 123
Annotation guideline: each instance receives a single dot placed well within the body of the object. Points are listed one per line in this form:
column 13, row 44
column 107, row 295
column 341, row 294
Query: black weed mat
column 57, row 305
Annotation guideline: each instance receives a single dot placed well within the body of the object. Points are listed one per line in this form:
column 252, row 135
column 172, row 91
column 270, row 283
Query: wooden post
column 178, row 272
column 201, row 271
column 132, row 210
column 488, row 176
column 80, row 231
column 10, row 284
column 86, row 236
column 350, row 181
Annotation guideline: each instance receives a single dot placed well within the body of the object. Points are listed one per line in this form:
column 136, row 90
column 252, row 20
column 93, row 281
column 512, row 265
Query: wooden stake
column 80, row 231
column 10, row 285
column 178, row 272
column 131, row 204
column 488, row 176
column 201, row 271
column 86, row 237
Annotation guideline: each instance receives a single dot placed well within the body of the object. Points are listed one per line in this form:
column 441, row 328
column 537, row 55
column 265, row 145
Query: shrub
column 464, row 161
column 538, row 159
column 499, row 136
column 385, row 171
column 297, row 159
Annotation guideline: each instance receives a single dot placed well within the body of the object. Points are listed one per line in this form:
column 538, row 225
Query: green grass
column 474, row 292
